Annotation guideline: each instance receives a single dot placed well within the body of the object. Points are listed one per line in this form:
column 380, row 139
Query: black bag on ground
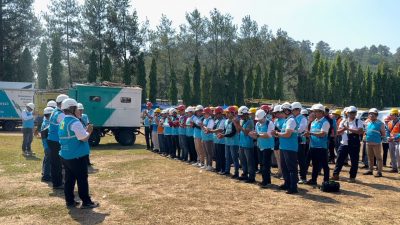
column 330, row 186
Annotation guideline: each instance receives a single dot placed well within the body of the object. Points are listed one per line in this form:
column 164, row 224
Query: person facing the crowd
column 351, row 130
column 197, row 122
column 394, row 130
column 219, row 143
column 53, row 141
column 85, row 122
column 263, row 133
column 207, row 138
column 147, row 116
column 244, row 126
column 288, row 146
column 278, row 120
column 375, row 131
column 154, row 130
column 44, row 132
column 189, row 136
column 28, row 124
column 74, row 149
column 301, row 122
column 319, row 144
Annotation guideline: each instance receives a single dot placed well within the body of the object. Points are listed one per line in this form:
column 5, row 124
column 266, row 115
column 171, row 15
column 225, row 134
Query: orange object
column 394, row 128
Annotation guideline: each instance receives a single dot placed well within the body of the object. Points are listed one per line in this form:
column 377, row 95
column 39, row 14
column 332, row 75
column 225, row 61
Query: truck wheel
column 94, row 139
column 126, row 137
column 9, row 125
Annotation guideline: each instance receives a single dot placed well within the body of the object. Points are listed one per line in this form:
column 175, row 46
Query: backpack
column 330, row 186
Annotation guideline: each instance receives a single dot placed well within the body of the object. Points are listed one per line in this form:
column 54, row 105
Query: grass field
column 135, row 186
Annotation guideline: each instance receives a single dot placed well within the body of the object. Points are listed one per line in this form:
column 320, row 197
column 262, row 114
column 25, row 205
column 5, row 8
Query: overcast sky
column 341, row 23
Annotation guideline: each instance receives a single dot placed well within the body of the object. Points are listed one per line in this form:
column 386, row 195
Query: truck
column 111, row 109
column 13, row 99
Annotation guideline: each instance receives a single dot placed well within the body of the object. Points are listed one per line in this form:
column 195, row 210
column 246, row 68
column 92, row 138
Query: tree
column 279, row 94
column 55, row 59
column 106, row 70
column 249, row 83
column 368, row 87
column 205, row 87
column 265, row 85
column 141, row 77
column 173, row 90
column 240, row 86
column 25, row 72
column 43, row 66
column 230, row 84
column 63, row 18
column 314, row 78
column 271, row 76
column 187, row 91
column 93, row 72
column 301, row 81
column 196, row 81
column 257, row 83
column 153, row 81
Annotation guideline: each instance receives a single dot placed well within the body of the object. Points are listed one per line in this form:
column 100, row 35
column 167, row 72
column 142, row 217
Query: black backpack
column 330, row 186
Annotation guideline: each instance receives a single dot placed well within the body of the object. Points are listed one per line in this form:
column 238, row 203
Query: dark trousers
column 319, row 157
column 289, row 169
column 266, row 168
column 27, row 134
column 191, row 148
column 331, row 146
column 147, row 137
column 184, row 150
column 161, row 142
column 46, row 167
column 257, row 157
column 168, row 144
column 219, row 157
column 385, row 147
column 76, row 171
column 176, row 146
column 301, row 157
column 343, row 152
column 55, row 162
column 246, row 156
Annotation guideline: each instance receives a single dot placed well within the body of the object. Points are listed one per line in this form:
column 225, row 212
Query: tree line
column 208, row 59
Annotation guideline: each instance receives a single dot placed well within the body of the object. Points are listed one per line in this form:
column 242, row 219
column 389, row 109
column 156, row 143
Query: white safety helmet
column 172, row 111
column 296, row 105
column 243, row 110
column 277, row 108
column 286, row 105
column 346, row 109
column 373, row 110
column 199, row 107
column 67, row 103
column 163, row 111
column 304, row 112
column 52, row 104
column 190, row 109
column 319, row 107
column 31, row 105
column 61, row 98
column 260, row 114
column 80, row 106
column 48, row 110
column 351, row 109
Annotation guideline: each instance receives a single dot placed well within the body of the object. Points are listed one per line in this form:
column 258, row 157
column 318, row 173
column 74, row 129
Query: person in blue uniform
column 74, row 150
column 44, row 132
column 147, row 116
column 27, row 128
column 85, row 122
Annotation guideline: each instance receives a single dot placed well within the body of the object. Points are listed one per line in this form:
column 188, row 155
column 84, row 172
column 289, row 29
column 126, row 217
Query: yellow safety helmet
column 157, row 110
column 225, row 112
column 236, row 107
column 212, row 108
column 253, row 110
column 337, row 112
column 394, row 111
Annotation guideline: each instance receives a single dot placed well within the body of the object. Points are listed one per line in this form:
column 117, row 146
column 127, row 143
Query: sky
column 340, row 23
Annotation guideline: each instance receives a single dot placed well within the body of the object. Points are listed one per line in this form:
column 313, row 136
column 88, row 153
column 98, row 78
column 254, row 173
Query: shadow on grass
column 117, row 147
column 31, row 157
column 353, row 193
column 316, row 198
column 87, row 216
column 382, row 187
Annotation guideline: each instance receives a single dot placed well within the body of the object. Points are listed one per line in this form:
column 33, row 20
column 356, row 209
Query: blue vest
column 167, row 128
column 174, row 130
column 216, row 139
column 45, row 125
column 204, row 136
column 318, row 142
column 154, row 125
column 374, row 132
column 246, row 141
column 85, row 120
column 146, row 120
column 53, row 129
column 182, row 130
column 189, row 128
column 291, row 143
column 28, row 123
column 71, row 147
column 279, row 123
column 264, row 143
column 197, row 131
column 231, row 141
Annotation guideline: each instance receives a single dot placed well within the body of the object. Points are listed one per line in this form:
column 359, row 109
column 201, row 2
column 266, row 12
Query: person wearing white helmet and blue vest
column 246, row 145
column 263, row 133
column 319, row 144
column 278, row 120
column 288, row 145
column 52, row 104
column 53, row 141
column 219, row 143
column 189, row 135
column 207, row 138
column 74, row 151
column 28, row 124
column 375, row 132
column 302, row 123
column 44, row 132
column 85, row 122
column 197, row 122
column 147, row 116
column 166, row 123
